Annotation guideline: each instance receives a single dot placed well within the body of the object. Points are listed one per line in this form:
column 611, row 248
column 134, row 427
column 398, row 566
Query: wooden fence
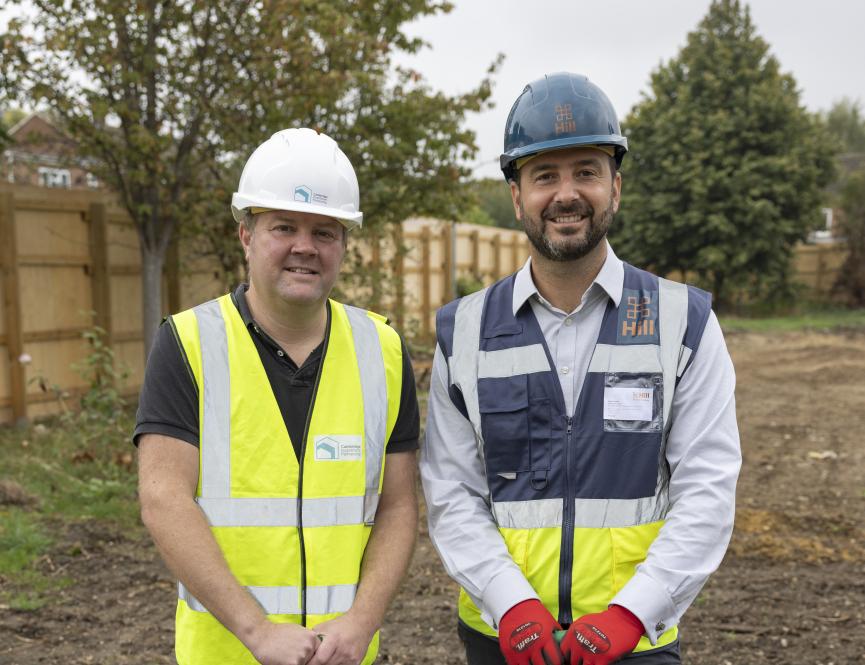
column 69, row 260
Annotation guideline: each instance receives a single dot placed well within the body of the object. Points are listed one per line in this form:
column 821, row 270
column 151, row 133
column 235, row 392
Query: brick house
column 42, row 155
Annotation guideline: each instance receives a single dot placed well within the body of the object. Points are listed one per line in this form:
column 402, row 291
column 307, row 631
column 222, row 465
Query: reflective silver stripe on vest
column 462, row 365
column 538, row 514
column 373, row 385
column 286, row 599
column 673, row 313
column 216, row 417
column 630, row 358
column 588, row 513
column 512, row 362
column 282, row 511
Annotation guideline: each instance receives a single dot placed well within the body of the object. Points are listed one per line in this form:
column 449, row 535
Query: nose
column 567, row 191
column 303, row 245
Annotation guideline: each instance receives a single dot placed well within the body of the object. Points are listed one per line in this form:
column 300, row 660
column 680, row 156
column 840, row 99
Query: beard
column 575, row 245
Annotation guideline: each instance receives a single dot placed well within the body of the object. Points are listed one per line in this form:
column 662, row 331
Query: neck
column 291, row 325
column 563, row 283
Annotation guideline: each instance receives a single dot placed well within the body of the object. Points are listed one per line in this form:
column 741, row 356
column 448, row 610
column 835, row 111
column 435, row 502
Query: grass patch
column 812, row 320
column 59, row 475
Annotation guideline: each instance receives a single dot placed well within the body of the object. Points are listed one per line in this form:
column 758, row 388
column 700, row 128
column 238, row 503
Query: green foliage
column 851, row 226
column 726, row 167
column 169, row 98
column 467, row 284
column 809, row 319
column 76, row 466
column 494, row 198
column 845, row 122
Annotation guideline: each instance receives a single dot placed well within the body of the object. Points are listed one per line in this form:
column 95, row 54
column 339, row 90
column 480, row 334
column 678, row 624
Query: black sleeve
column 406, row 430
column 168, row 403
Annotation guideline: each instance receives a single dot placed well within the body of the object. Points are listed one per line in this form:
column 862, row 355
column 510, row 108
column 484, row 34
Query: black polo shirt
column 168, row 403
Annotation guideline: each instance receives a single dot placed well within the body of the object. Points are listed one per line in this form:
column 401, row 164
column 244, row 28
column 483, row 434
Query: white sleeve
column 461, row 525
column 704, row 457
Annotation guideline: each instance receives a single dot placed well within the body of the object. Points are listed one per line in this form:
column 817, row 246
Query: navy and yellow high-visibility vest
column 578, row 497
column 293, row 532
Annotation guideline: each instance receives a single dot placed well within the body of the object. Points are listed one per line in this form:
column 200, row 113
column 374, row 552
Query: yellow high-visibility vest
column 293, row 533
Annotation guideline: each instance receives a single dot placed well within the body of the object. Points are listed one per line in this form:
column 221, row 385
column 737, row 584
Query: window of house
column 92, row 181
column 49, row 177
column 823, row 234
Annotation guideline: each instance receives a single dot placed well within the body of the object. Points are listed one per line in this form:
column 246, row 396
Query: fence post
column 497, row 260
column 821, row 269
column 374, row 240
column 100, row 282
column 447, row 238
column 426, row 300
column 172, row 273
column 399, row 274
column 12, row 309
column 476, row 254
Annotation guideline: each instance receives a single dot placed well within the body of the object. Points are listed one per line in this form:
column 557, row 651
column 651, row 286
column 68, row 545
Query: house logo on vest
column 638, row 317
column 338, row 448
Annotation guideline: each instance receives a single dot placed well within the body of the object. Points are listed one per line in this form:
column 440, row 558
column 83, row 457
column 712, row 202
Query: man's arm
column 385, row 560
column 461, row 525
column 704, row 457
column 168, row 475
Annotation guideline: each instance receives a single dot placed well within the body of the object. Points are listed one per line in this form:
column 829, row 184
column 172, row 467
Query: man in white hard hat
column 277, row 432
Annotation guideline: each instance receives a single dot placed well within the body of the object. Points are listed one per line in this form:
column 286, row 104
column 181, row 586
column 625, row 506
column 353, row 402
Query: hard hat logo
column 299, row 155
column 302, row 193
column 564, row 123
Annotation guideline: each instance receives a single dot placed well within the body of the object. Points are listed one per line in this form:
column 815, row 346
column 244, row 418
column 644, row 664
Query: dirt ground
column 791, row 590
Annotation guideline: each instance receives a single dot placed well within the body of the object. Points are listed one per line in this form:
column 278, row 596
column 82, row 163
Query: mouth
column 567, row 219
column 299, row 270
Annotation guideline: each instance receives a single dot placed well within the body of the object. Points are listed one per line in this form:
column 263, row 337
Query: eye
column 545, row 176
column 326, row 234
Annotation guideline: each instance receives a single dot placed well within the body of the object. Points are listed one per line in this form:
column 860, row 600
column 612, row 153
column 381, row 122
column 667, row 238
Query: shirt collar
column 611, row 279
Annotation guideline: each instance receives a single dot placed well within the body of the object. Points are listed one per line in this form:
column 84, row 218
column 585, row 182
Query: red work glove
column 598, row 639
column 526, row 635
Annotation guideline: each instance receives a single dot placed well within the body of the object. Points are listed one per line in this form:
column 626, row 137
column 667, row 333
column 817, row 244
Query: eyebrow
column 586, row 161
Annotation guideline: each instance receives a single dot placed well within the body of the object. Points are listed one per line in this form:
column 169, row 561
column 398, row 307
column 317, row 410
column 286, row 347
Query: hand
column 598, row 639
column 344, row 641
column 526, row 635
column 282, row 644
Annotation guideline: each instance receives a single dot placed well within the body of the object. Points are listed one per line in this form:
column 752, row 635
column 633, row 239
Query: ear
column 617, row 191
column 515, row 199
column 245, row 236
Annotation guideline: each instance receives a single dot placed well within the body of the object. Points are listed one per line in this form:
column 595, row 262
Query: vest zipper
column 566, row 559
column 300, row 477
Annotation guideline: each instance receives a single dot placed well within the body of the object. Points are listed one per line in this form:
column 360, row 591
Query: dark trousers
column 484, row 650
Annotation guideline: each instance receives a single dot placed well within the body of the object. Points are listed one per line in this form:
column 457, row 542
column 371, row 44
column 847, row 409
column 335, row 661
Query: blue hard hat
column 560, row 111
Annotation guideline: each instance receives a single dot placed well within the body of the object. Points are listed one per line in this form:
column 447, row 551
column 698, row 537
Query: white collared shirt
column 702, row 452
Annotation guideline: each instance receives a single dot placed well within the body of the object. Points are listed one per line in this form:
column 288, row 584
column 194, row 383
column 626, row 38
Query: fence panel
column 70, row 259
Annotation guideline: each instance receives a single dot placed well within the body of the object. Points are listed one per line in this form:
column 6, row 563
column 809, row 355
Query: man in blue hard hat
column 581, row 449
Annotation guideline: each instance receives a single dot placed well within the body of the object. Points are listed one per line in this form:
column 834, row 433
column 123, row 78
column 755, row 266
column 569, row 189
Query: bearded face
column 578, row 228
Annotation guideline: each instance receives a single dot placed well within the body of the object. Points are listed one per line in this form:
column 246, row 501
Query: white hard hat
column 300, row 170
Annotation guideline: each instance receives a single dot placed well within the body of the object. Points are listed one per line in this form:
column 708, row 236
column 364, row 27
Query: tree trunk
column 152, row 261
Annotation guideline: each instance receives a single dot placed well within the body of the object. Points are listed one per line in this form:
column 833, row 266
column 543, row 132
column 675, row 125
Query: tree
column 851, row 279
column 168, row 97
column 725, row 166
column 846, row 123
column 494, row 199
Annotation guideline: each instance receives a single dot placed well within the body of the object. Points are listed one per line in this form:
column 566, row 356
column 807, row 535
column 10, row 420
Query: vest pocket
column 633, row 402
column 504, row 408
column 516, row 430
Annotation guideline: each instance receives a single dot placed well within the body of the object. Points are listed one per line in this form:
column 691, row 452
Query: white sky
column 617, row 43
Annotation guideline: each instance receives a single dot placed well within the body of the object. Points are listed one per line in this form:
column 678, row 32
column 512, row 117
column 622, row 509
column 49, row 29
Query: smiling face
column 293, row 257
column 566, row 200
